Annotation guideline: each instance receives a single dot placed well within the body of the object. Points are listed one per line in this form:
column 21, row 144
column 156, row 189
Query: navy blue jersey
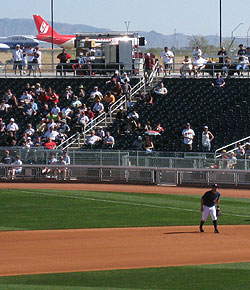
column 210, row 198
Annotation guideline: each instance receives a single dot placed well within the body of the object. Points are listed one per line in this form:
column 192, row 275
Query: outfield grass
column 207, row 277
column 54, row 209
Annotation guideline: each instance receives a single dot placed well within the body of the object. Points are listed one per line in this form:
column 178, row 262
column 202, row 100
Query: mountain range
column 154, row 39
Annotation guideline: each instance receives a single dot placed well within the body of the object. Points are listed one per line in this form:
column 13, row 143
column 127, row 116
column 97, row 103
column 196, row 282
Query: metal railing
column 234, row 144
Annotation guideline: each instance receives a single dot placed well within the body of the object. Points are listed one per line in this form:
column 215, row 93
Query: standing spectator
column 63, row 57
column 24, row 60
column 117, row 90
column 197, row 52
column 114, row 78
column 17, row 58
column 37, row 60
column 248, row 53
column 159, row 128
column 188, row 135
column 108, row 141
column 108, row 100
column 30, row 54
column 167, row 57
column 226, row 66
column 223, row 53
column 68, row 93
column 207, row 137
column 148, row 65
column 242, row 50
column 2, row 127
column 12, row 126
column 218, row 82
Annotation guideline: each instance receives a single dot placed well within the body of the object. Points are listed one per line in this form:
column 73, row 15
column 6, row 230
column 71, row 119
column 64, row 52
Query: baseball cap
column 188, row 124
column 1, row 119
column 7, row 151
column 205, row 127
column 12, row 120
column 215, row 185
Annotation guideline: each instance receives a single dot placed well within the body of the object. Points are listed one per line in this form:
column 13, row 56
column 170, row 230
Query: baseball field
column 87, row 236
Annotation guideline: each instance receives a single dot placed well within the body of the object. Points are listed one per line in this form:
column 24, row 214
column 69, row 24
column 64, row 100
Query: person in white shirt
column 37, row 60
column 199, row 64
column 207, row 137
column 93, row 139
column 17, row 167
column 17, row 58
column 67, row 111
column 3, row 106
column 30, row 131
column 30, row 54
column 12, row 126
column 52, row 134
column 197, row 51
column 168, row 58
column 188, row 135
column 243, row 65
column 186, row 67
column 232, row 161
column 108, row 141
column 96, row 94
column 26, row 97
column 55, row 109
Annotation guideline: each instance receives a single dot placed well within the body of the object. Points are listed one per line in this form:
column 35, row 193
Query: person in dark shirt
column 7, row 158
column 241, row 51
column 208, row 201
column 218, row 82
column 222, row 52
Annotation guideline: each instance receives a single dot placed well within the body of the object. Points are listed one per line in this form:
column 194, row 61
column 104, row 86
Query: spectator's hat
column 205, row 127
column 33, row 87
column 140, row 138
column 215, row 185
column 116, row 72
column 188, row 124
column 81, row 87
column 7, row 151
column 68, row 87
column 148, row 54
column 38, row 84
column 28, row 138
column 241, row 45
column 18, row 45
column 1, row 119
column 12, row 119
column 61, row 157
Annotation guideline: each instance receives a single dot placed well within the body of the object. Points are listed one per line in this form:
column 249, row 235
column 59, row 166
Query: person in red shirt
column 50, row 144
column 63, row 57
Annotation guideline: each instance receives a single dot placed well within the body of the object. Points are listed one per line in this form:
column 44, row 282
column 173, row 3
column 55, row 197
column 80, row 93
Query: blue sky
column 164, row 16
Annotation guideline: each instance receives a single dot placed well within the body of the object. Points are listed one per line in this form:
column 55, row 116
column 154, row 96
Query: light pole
column 247, row 34
column 232, row 33
column 127, row 25
column 52, row 35
column 220, row 26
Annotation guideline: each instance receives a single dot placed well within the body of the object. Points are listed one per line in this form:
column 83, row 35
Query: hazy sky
column 164, row 16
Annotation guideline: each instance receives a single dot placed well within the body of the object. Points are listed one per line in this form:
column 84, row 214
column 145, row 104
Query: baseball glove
column 218, row 212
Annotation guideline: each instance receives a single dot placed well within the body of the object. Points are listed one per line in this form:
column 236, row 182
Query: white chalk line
column 124, row 202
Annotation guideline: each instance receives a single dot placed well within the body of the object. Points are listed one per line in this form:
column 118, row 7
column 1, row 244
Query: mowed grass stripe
column 53, row 209
column 220, row 277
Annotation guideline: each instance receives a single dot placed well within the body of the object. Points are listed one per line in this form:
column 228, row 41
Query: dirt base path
column 242, row 193
column 33, row 252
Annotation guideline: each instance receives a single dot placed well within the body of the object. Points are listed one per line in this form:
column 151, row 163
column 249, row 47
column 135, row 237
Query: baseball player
column 208, row 201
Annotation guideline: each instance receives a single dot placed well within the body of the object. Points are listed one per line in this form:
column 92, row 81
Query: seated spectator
column 17, row 167
column 30, row 131
column 51, row 133
column 38, row 142
column 25, row 97
column 95, row 94
column 3, row 106
column 41, row 127
column 81, row 93
column 108, row 141
column 248, row 53
column 2, row 127
column 226, row 66
column 13, row 102
column 10, row 139
column 82, row 120
column 159, row 128
column 30, row 109
column 8, row 95
column 98, row 108
column 100, row 132
column 29, row 143
column 55, row 109
column 133, row 115
column 12, row 126
column 240, row 151
column 161, row 90
column 61, row 170
column 93, row 139
column 218, row 82
column 64, row 127
column 108, row 100
column 76, row 103
column 66, row 157
column 232, row 161
column 51, row 161
column 50, row 144
column 247, row 150
column 139, row 144
column 68, row 94
column 67, row 111
column 186, row 67
column 243, row 65
column 199, row 64
column 90, row 114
